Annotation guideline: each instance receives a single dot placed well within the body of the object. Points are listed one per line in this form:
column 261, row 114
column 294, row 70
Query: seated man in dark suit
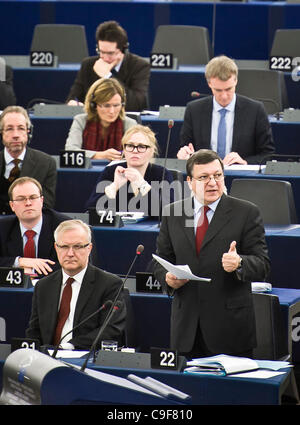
column 18, row 160
column 114, row 60
column 233, row 125
column 7, row 94
column 32, row 252
column 79, row 289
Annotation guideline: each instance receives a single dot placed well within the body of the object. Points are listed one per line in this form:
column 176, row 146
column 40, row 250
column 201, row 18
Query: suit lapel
column 221, row 216
column 14, row 240
column 53, row 297
column 85, row 292
column 28, row 164
column 187, row 220
column 206, row 118
column 240, row 117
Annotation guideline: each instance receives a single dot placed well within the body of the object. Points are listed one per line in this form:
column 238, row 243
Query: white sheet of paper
column 181, row 272
column 260, row 374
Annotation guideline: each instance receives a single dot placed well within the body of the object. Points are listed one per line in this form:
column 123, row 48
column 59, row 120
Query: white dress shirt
column 229, row 119
column 76, row 285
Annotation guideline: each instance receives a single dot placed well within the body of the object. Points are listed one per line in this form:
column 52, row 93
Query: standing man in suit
column 114, row 60
column 18, row 160
column 34, row 252
column 233, row 125
column 216, row 317
column 87, row 287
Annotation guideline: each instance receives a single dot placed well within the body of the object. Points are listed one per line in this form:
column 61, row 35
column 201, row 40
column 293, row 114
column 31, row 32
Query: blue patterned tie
column 221, row 149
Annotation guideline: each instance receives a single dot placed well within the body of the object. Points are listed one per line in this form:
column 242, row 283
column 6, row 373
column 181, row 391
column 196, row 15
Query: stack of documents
column 223, row 364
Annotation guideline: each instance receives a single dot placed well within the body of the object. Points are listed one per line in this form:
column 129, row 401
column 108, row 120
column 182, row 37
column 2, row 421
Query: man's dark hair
column 113, row 32
column 202, row 156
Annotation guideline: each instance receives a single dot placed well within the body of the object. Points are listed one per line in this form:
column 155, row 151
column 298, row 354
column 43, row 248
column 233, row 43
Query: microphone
column 115, row 306
column 197, row 94
column 103, row 307
column 170, row 126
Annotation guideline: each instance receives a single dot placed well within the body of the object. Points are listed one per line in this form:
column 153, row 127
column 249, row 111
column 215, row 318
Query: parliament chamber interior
column 244, row 31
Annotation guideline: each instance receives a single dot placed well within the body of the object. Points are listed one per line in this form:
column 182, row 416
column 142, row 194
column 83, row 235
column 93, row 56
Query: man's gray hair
column 71, row 225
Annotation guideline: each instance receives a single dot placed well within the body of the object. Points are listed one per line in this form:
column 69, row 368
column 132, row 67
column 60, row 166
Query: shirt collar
column 230, row 107
column 198, row 205
column 77, row 277
column 36, row 228
column 8, row 158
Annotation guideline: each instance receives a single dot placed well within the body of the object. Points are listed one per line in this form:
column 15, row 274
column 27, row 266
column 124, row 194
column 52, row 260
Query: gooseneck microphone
column 195, row 93
column 170, row 126
column 106, row 305
column 116, row 305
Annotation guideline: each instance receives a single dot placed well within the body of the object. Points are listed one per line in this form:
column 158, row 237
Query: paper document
column 181, row 272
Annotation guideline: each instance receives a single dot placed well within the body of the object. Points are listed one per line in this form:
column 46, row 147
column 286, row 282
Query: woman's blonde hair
column 101, row 91
column 144, row 130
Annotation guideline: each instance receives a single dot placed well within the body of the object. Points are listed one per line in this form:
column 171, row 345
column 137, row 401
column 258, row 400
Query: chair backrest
column 271, row 335
column 265, row 85
column 286, row 42
column 131, row 339
column 68, row 42
column 189, row 44
column 274, row 198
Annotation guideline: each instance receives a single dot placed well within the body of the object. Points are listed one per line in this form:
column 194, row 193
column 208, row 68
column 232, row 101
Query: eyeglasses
column 110, row 105
column 140, row 148
column 109, row 54
column 205, row 179
column 76, row 247
column 31, row 198
column 12, row 129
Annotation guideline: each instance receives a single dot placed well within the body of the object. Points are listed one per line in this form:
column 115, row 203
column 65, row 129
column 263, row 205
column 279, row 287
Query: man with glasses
column 17, row 159
column 26, row 238
column 72, row 294
column 114, row 60
column 221, row 238
column 233, row 125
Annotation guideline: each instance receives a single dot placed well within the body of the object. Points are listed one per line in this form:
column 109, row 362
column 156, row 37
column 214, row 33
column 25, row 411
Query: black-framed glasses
column 129, row 147
column 205, row 179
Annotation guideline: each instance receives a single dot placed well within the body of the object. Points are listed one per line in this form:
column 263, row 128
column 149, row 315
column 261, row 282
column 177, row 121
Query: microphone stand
column 170, row 126
column 139, row 250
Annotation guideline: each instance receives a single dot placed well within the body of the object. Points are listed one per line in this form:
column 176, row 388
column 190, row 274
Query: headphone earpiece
column 93, row 104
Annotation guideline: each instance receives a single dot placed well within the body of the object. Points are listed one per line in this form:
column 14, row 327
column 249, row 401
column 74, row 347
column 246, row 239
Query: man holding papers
column 220, row 238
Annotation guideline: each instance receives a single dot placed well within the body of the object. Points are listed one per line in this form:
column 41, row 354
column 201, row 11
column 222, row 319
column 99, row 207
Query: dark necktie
column 64, row 310
column 221, row 149
column 202, row 226
column 29, row 248
column 15, row 171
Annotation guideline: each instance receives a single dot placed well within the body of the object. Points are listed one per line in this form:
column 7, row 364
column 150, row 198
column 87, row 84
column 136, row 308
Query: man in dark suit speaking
column 18, row 160
column 68, row 296
column 19, row 247
column 221, row 238
column 233, row 125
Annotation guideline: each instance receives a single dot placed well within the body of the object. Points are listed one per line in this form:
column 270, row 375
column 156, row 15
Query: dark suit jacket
column 252, row 136
column 38, row 165
column 223, row 308
column 11, row 242
column 150, row 204
column 97, row 287
column 134, row 75
column 7, row 94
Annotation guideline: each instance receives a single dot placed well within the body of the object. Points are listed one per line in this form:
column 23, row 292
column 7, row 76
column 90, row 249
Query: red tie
column 29, row 248
column 64, row 310
column 201, row 228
